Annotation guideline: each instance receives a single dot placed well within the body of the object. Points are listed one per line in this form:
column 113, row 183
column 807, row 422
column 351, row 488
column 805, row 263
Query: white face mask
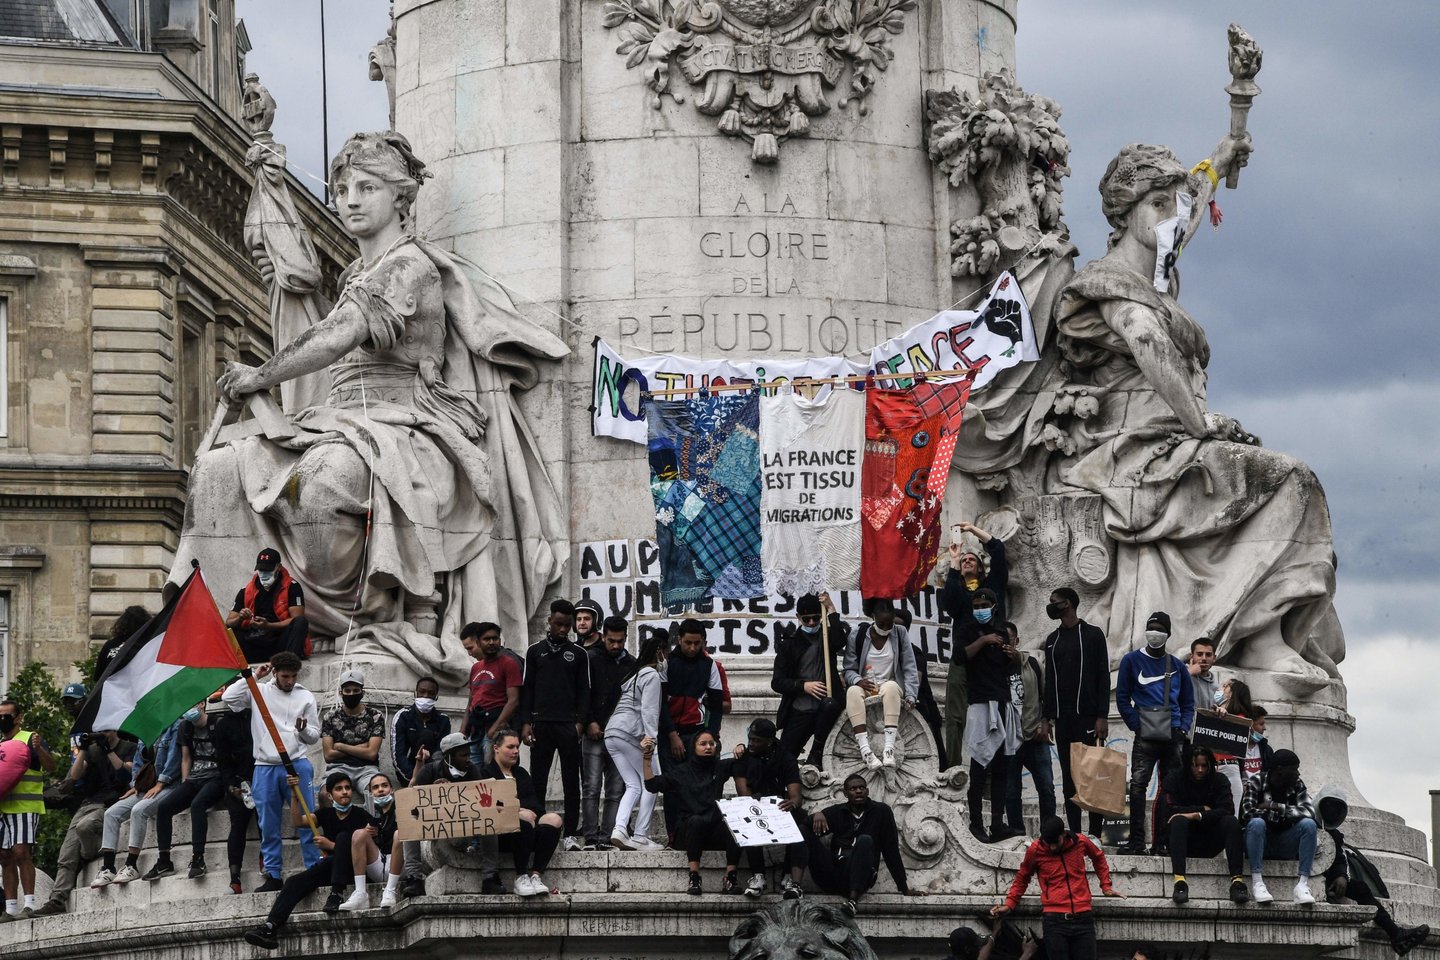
column 1156, row 639
column 268, row 578
column 424, row 704
column 1169, row 239
column 455, row 771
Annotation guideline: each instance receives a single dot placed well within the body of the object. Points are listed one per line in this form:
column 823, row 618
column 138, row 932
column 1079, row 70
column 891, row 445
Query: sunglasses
column 809, row 619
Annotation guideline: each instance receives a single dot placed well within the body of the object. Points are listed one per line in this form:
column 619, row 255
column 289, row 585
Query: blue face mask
column 1219, row 697
column 983, row 616
column 385, row 801
column 809, row 628
column 342, row 807
column 1256, row 737
column 192, row 714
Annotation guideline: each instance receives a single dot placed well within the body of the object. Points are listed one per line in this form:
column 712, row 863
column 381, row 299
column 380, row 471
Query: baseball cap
column 1161, row 618
column 267, row 560
column 453, row 740
column 354, row 676
column 74, row 691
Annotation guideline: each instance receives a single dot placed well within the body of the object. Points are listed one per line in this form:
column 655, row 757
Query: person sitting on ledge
column 692, row 789
column 269, row 613
column 375, row 851
column 539, row 833
column 1279, row 822
column 879, row 662
column 862, row 832
column 1201, row 819
column 351, row 734
column 769, row 770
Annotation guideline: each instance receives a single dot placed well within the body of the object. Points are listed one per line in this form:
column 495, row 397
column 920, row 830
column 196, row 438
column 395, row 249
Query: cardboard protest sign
column 1227, row 736
column 447, row 811
column 759, row 821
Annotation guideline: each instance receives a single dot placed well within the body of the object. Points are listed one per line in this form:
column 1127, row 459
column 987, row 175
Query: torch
column 1244, row 65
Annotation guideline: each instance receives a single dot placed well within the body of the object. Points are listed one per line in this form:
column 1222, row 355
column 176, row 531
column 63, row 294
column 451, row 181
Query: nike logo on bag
column 1147, row 680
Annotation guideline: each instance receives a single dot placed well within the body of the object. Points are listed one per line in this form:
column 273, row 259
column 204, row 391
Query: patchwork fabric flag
column 810, row 505
column 908, row 449
column 705, row 481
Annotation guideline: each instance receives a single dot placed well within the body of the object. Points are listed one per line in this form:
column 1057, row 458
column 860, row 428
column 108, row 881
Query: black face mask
column 1054, row 610
column 7, row 723
column 351, row 700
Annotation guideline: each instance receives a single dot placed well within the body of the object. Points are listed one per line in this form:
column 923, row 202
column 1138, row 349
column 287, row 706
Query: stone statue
column 418, row 480
column 799, row 930
column 280, row 243
column 382, row 63
column 1102, row 461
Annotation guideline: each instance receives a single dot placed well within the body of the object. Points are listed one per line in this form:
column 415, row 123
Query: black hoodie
column 1077, row 673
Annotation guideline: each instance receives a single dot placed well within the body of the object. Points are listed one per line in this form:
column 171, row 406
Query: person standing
column 1058, row 860
column 418, row 729
column 879, row 662
column 20, row 808
column 1200, row 819
column 1157, row 702
column 235, row 754
column 803, row 677
column 554, row 701
column 293, row 710
column 633, row 725
column 1202, row 658
column 862, row 833
column 1034, row 752
column 969, row 573
column 496, row 679
column 588, row 619
column 1077, row 691
column 610, row 665
column 269, row 612
column 992, row 726
column 351, row 734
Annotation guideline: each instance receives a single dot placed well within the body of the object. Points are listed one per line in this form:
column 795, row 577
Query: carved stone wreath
column 764, row 67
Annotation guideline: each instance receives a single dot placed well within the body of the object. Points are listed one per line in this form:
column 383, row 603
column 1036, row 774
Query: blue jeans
column 480, row 721
column 272, row 798
column 1035, row 757
column 1296, row 841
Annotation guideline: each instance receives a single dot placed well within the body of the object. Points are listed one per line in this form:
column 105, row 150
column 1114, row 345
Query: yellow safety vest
column 28, row 795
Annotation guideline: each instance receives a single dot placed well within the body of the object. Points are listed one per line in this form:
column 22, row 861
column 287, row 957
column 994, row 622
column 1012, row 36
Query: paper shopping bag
column 1099, row 775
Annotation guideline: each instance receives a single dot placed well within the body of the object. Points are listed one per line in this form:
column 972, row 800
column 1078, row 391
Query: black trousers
column 240, row 817
column 259, row 644
column 1072, row 939
column 814, row 725
column 199, row 796
column 668, row 763
column 1145, row 756
column 306, row 882
column 1068, row 730
column 707, row 831
column 1205, row 839
column 996, row 777
column 532, row 847
column 929, row 710
column 847, row 876
column 558, row 737
column 796, row 854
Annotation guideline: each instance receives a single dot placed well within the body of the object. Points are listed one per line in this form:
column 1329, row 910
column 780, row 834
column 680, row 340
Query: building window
column 215, row 58
column 4, row 370
column 4, row 636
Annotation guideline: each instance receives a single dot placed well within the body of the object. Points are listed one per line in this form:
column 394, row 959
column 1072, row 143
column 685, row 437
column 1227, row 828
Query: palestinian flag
column 172, row 663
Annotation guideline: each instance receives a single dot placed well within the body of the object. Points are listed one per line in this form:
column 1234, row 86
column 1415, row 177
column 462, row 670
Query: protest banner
column 449, row 811
column 1227, row 736
column 759, row 821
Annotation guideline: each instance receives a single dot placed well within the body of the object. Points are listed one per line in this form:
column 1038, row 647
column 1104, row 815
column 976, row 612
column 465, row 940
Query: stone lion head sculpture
column 799, row 930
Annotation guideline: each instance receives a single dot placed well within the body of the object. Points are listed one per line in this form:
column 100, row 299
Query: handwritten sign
column 759, row 821
column 448, row 811
column 1227, row 736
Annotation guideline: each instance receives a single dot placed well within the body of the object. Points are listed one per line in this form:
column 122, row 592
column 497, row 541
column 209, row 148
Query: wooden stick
column 968, row 373
column 825, row 651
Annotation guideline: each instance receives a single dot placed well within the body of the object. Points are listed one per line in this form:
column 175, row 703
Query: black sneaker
column 978, row 832
column 849, row 907
column 50, row 908
column 731, row 883
column 412, row 887
column 491, row 886
column 1182, row 892
column 197, row 868
column 270, row 884
column 1410, row 939
column 264, row 937
column 332, row 903
column 1001, row 831
column 1239, row 892
column 694, row 888
column 1131, row 848
column 162, row 868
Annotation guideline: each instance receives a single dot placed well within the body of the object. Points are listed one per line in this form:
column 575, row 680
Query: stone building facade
column 125, row 287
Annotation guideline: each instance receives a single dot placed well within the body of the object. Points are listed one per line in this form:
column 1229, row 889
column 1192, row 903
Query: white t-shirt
column 880, row 661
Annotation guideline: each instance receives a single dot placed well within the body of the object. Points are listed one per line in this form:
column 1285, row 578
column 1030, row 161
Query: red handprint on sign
column 487, row 799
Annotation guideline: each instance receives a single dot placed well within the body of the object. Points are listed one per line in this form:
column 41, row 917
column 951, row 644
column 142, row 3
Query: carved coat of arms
column 764, row 67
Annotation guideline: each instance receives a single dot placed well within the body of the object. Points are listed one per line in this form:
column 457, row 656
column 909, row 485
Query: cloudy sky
column 1318, row 293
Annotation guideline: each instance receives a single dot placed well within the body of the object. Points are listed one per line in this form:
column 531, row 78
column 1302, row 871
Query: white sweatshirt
column 285, row 709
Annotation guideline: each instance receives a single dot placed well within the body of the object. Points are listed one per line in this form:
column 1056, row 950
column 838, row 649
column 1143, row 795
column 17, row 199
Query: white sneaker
column 571, row 844
column 1259, row 893
column 756, row 886
column 522, row 885
column 388, row 899
column 645, row 843
column 359, row 900
column 102, row 879
column 127, row 874
column 538, row 886
column 871, row 761
column 620, row 839
column 888, row 757
column 1302, row 891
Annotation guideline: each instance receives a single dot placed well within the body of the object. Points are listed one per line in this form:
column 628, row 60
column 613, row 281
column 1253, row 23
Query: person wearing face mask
column 375, row 852
column 1279, row 822
column 879, row 662
column 269, row 612
column 201, row 787
column 969, row 573
column 610, row 665
column 992, row 723
column 417, row 730
column 1157, row 702
column 1077, row 691
column 808, row 705
column 692, row 788
column 351, row 734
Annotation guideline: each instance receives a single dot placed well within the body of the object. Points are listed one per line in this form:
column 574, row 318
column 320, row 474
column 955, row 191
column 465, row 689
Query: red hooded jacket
column 1064, row 887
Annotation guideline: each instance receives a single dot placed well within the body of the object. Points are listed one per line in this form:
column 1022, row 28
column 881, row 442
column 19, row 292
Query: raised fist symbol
column 1002, row 318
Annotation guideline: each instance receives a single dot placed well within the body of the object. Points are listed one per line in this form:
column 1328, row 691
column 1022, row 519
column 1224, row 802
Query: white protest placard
column 759, row 821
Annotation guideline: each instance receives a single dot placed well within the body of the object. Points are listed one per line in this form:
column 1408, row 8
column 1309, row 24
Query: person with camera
column 269, row 612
